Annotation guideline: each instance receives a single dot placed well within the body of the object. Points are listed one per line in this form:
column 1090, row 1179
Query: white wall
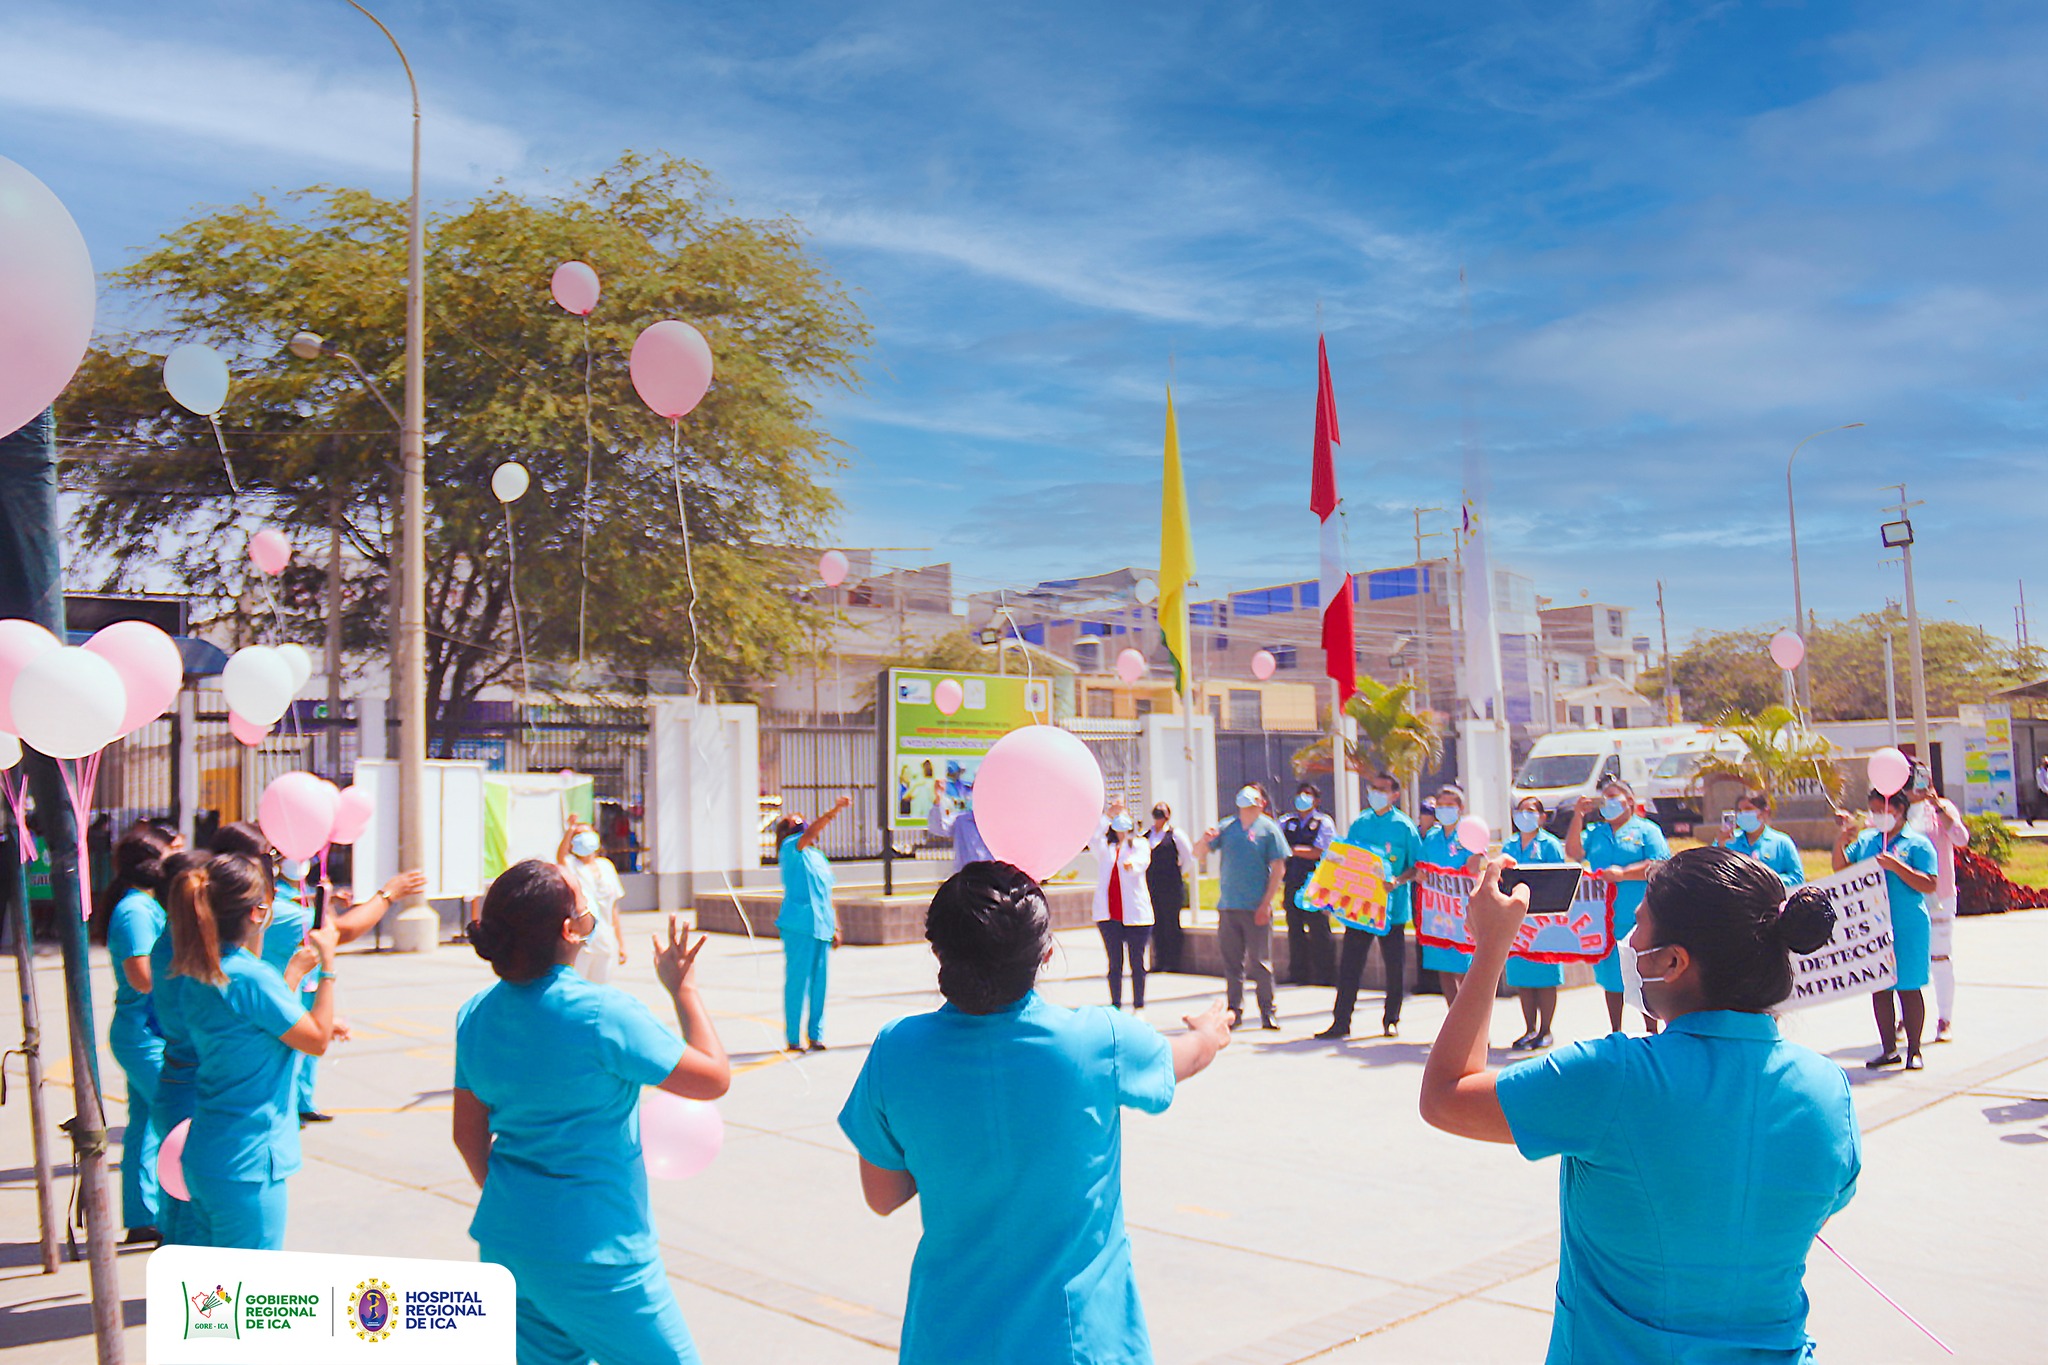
column 1164, row 768
column 703, row 796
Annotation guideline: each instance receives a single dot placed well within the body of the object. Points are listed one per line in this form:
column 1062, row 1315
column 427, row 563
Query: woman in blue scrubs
column 1622, row 848
column 1910, row 865
column 248, row 1028
column 1755, row 837
column 807, row 924
column 175, row 1095
column 1440, row 847
column 548, row 1073
column 1002, row 1114
column 1700, row 1162
column 132, row 1035
column 1534, row 983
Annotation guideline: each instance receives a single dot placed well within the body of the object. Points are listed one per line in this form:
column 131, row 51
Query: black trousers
column 1166, row 936
column 1351, row 970
column 1311, row 956
column 1120, row 938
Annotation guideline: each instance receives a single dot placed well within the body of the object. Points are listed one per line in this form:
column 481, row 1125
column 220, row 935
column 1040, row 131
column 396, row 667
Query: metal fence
column 805, row 768
column 1118, row 750
column 1258, row 756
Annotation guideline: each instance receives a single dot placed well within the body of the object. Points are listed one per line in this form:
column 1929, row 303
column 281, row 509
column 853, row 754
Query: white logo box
column 216, row 1306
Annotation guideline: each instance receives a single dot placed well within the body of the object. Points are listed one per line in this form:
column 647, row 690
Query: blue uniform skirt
column 1912, row 935
column 1525, row 975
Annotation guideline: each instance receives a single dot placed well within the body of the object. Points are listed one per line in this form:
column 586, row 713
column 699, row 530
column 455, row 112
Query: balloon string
column 80, row 775
column 16, row 786
column 1882, row 1295
column 675, row 464
column 213, row 420
column 589, row 468
column 518, row 626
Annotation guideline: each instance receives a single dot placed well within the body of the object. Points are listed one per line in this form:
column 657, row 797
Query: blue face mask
column 1611, row 809
column 1527, row 820
column 584, row 844
column 1121, row 823
column 1378, row 799
column 1304, row 802
column 1748, row 821
column 1449, row 815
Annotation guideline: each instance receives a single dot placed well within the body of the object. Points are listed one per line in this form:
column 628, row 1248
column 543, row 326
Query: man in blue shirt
column 1002, row 1114
column 1387, row 831
column 1254, row 859
column 946, row 820
column 1308, row 832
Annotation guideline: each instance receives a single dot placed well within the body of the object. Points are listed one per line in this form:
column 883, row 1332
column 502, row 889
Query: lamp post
column 417, row 928
column 1798, row 597
column 1897, row 534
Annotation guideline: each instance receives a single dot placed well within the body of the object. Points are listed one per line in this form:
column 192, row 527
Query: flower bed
column 1982, row 889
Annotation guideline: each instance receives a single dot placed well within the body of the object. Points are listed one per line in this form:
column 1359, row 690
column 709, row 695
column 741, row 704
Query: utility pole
column 1422, row 596
column 333, row 726
column 1664, row 634
column 1897, row 534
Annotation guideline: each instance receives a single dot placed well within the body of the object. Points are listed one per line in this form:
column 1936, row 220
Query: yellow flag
column 1176, row 555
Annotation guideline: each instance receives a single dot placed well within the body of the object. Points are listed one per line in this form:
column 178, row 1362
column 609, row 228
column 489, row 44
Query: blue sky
column 1693, row 235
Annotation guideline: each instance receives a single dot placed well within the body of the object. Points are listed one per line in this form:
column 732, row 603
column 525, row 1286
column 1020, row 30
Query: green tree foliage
column 1732, row 670
column 504, row 381
column 1392, row 736
column 1776, row 754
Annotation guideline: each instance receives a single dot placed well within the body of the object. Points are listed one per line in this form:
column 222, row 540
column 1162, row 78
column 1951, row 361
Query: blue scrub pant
column 804, row 961
column 571, row 1313
column 141, row 1055
column 309, row 1065
column 238, row 1213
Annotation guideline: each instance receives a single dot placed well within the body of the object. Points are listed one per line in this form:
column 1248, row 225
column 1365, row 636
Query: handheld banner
column 1861, row 957
column 1584, row 933
column 1351, row 884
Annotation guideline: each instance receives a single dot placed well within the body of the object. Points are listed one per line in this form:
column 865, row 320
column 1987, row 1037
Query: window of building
column 1244, row 709
column 1101, row 704
column 1088, row 653
column 1283, row 656
column 1621, row 718
column 1614, row 624
column 1599, row 715
column 1575, row 715
column 1144, row 706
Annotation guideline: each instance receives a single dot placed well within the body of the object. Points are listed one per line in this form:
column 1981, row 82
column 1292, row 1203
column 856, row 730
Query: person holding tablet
column 1440, row 847
column 1623, row 848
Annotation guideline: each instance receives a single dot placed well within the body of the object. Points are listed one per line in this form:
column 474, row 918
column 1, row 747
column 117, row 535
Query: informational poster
column 1988, row 778
column 1351, row 884
column 1582, row 933
column 1861, row 957
column 927, row 753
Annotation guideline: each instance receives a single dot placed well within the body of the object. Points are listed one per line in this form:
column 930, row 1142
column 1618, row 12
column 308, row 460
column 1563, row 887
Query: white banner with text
column 1860, row 958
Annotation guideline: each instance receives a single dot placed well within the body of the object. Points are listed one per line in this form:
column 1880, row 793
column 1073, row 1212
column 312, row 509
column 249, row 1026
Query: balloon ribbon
column 1882, row 1295
column 80, row 775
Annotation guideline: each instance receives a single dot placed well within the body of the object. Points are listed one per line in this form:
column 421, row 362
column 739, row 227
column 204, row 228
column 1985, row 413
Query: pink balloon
column 353, row 814
column 46, row 297
column 575, row 287
column 1890, row 770
column 1037, row 798
column 671, row 367
column 20, row 641
column 270, row 551
column 832, row 568
column 1263, row 664
column 1787, row 650
column 678, row 1137
column 1473, row 834
column 296, row 813
column 170, row 1162
column 150, row 667
column 247, row 731
column 947, row 696
column 1130, row 665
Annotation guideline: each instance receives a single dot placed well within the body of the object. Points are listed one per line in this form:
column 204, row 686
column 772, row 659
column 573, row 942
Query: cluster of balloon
column 832, row 568
column 1263, row 664
column 1787, row 650
column 509, row 482
column 575, row 287
column 1130, row 665
column 1037, row 797
column 947, row 696
column 1473, row 834
column 46, row 297
column 1890, row 770
column 302, row 814
column 261, row 682
column 679, row 1138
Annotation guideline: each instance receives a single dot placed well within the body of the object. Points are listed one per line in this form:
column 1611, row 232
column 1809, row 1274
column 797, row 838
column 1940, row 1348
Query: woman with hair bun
column 548, row 1073
column 1699, row 1162
column 137, row 1043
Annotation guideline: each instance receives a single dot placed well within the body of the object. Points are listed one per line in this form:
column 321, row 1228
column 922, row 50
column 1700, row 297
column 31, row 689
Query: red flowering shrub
column 1981, row 889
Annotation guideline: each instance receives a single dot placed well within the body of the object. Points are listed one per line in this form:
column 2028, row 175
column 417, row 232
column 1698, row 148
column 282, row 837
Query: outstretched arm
column 817, row 826
column 1207, row 1035
column 1457, row 1086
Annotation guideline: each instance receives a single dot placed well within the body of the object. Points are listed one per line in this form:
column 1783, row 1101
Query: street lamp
column 1798, row 597
column 418, row 927
column 1897, row 534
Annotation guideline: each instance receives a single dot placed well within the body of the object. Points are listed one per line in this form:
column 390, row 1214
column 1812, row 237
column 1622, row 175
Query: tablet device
column 1552, row 886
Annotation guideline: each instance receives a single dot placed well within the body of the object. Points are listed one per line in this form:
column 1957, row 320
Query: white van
column 1668, row 794
column 1573, row 763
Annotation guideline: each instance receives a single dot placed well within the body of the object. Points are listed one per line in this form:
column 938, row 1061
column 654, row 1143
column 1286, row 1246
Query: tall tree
column 505, row 380
column 1392, row 736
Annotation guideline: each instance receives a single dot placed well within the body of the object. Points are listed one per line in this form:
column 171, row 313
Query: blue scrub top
column 1910, row 848
column 1636, row 841
column 244, row 1125
column 169, row 999
column 1011, row 1124
column 1392, row 835
column 807, row 882
column 1774, row 849
column 1539, row 847
column 132, row 930
column 1246, row 860
column 1440, row 847
column 1699, row 1164
column 290, row 919
column 560, row 1062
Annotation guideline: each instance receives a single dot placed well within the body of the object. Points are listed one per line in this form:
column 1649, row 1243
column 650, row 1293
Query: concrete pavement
column 1291, row 1206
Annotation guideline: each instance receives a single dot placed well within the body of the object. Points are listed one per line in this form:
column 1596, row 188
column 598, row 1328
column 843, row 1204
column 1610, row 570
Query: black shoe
column 1269, row 1023
column 1334, row 1033
column 314, row 1116
column 1237, row 1019
column 1521, row 1042
column 142, row 1237
column 1391, row 1029
column 815, row 1046
column 1539, row 1042
column 1915, row 1062
column 1888, row 1059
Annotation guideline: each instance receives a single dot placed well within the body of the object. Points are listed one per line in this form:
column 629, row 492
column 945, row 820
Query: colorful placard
column 924, row 749
column 1351, row 884
column 1582, row 933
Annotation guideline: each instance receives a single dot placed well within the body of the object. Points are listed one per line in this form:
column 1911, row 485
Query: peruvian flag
column 1322, row 500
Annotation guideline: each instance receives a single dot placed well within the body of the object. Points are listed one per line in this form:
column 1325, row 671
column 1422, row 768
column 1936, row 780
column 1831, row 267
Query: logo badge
column 210, row 1310
column 370, row 1311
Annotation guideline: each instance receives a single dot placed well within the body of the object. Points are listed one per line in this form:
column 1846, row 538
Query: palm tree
column 1391, row 737
column 1777, row 753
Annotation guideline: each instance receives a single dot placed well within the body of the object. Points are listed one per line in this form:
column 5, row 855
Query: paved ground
column 1291, row 1206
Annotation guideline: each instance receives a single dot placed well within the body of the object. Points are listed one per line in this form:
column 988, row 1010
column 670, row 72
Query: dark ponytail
column 519, row 931
column 209, row 904
column 1731, row 914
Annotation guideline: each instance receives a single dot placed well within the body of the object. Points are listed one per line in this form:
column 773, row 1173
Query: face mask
column 1121, row 824
column 1611, row 809
column 584, row 844
column 1632, row 978
column 1378, row 799
column 1246, row 798
column 1304, row 802
column 1448, row 815
column 1748, row 821
column 1884, row 824
column 1160, row 816
column 1527, row 820
column 295, row 868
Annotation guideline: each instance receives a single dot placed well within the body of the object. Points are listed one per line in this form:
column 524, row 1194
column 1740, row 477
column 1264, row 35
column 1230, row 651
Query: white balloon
column 69, row 702
column 300, row 662
column 10, row 750
column 509, row 481
column 258, row 683
column 197, row 377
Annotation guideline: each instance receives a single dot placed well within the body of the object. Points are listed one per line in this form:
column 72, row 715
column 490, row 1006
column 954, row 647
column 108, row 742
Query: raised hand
column 675, row 962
